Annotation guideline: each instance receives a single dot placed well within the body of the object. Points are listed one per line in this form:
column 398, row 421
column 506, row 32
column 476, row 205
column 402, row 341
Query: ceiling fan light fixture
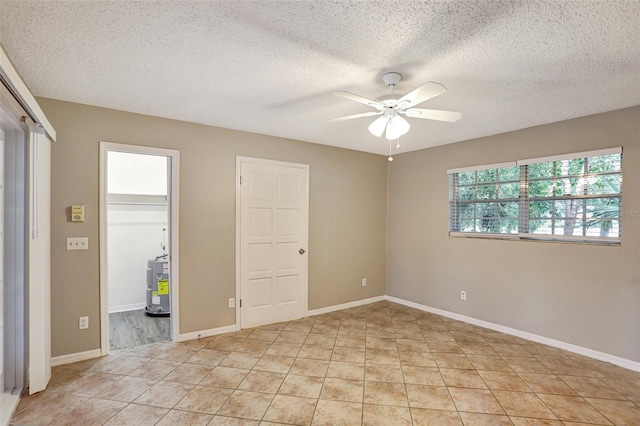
column 397, row 127
column 377, row 127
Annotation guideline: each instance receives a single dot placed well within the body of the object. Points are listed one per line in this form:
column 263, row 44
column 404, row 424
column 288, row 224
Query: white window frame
column 523, row 213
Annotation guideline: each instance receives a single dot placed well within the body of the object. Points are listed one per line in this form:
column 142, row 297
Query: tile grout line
column 536, row 356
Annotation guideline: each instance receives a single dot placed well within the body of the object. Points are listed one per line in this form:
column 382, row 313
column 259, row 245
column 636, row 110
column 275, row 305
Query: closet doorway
column 138, row 245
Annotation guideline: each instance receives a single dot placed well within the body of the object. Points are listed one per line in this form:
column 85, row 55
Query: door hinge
column 241, row 303
column 240, row 180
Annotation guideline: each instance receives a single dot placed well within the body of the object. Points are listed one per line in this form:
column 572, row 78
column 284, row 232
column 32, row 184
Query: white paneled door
column 274, row 226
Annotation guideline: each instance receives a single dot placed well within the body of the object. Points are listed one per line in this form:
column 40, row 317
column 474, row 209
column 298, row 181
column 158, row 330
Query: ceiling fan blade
column 358, row 98
column 433, row 114
column 377, row 127
column 423, row 93
column 351, row 117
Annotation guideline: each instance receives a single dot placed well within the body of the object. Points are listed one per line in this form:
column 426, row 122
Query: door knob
column 301, row 251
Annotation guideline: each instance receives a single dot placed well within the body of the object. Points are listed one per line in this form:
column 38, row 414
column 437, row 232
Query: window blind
column 571, row 197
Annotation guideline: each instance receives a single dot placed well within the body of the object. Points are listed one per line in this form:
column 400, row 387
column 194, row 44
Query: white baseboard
column 601, row 356
column 9, row 404
column 79, row 356
column 346, row 305
column 206, row 333
column 231, row 328
column 125, row 308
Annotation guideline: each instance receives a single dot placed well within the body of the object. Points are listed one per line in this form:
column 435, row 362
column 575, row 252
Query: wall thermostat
column 77, row 213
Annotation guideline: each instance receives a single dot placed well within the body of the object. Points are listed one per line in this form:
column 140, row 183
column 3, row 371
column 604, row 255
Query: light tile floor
column 380, row 364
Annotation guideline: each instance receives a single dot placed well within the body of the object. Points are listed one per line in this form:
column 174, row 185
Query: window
column 575, row 197
column 485, row 200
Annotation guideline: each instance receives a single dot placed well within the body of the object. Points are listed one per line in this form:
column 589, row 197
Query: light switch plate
column 80, row 243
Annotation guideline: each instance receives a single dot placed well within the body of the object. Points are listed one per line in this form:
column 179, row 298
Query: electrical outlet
column 84, row 323
column 232, row 303
column 463, row 295
column 81, row 243
column 364, row 282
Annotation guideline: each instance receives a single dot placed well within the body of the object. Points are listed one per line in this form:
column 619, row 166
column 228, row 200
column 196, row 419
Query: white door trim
column 174, row 202
column 239, row 161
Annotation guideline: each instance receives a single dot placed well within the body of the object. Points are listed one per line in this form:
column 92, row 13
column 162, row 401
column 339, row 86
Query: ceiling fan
column 390, row 107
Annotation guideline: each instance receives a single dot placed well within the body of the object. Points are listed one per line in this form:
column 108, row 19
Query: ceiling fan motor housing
column 391, row 78
column 388, row 100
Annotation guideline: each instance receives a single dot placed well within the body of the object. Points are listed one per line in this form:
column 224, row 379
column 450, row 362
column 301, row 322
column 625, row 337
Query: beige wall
column 347, row 216
column 581, row 294
column 586, row 295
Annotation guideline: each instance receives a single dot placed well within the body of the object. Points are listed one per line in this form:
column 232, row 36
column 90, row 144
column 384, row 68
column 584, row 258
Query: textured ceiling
column 270, row 66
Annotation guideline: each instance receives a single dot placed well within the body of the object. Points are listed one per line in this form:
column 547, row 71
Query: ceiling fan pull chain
column 390, row 158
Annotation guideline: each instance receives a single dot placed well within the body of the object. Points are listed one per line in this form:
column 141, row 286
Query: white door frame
column 173, row 200
column 239, row 161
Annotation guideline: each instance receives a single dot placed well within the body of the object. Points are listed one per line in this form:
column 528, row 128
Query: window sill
column 541, row 238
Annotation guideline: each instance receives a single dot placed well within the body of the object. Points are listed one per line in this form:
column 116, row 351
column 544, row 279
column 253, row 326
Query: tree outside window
column 576, row 196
